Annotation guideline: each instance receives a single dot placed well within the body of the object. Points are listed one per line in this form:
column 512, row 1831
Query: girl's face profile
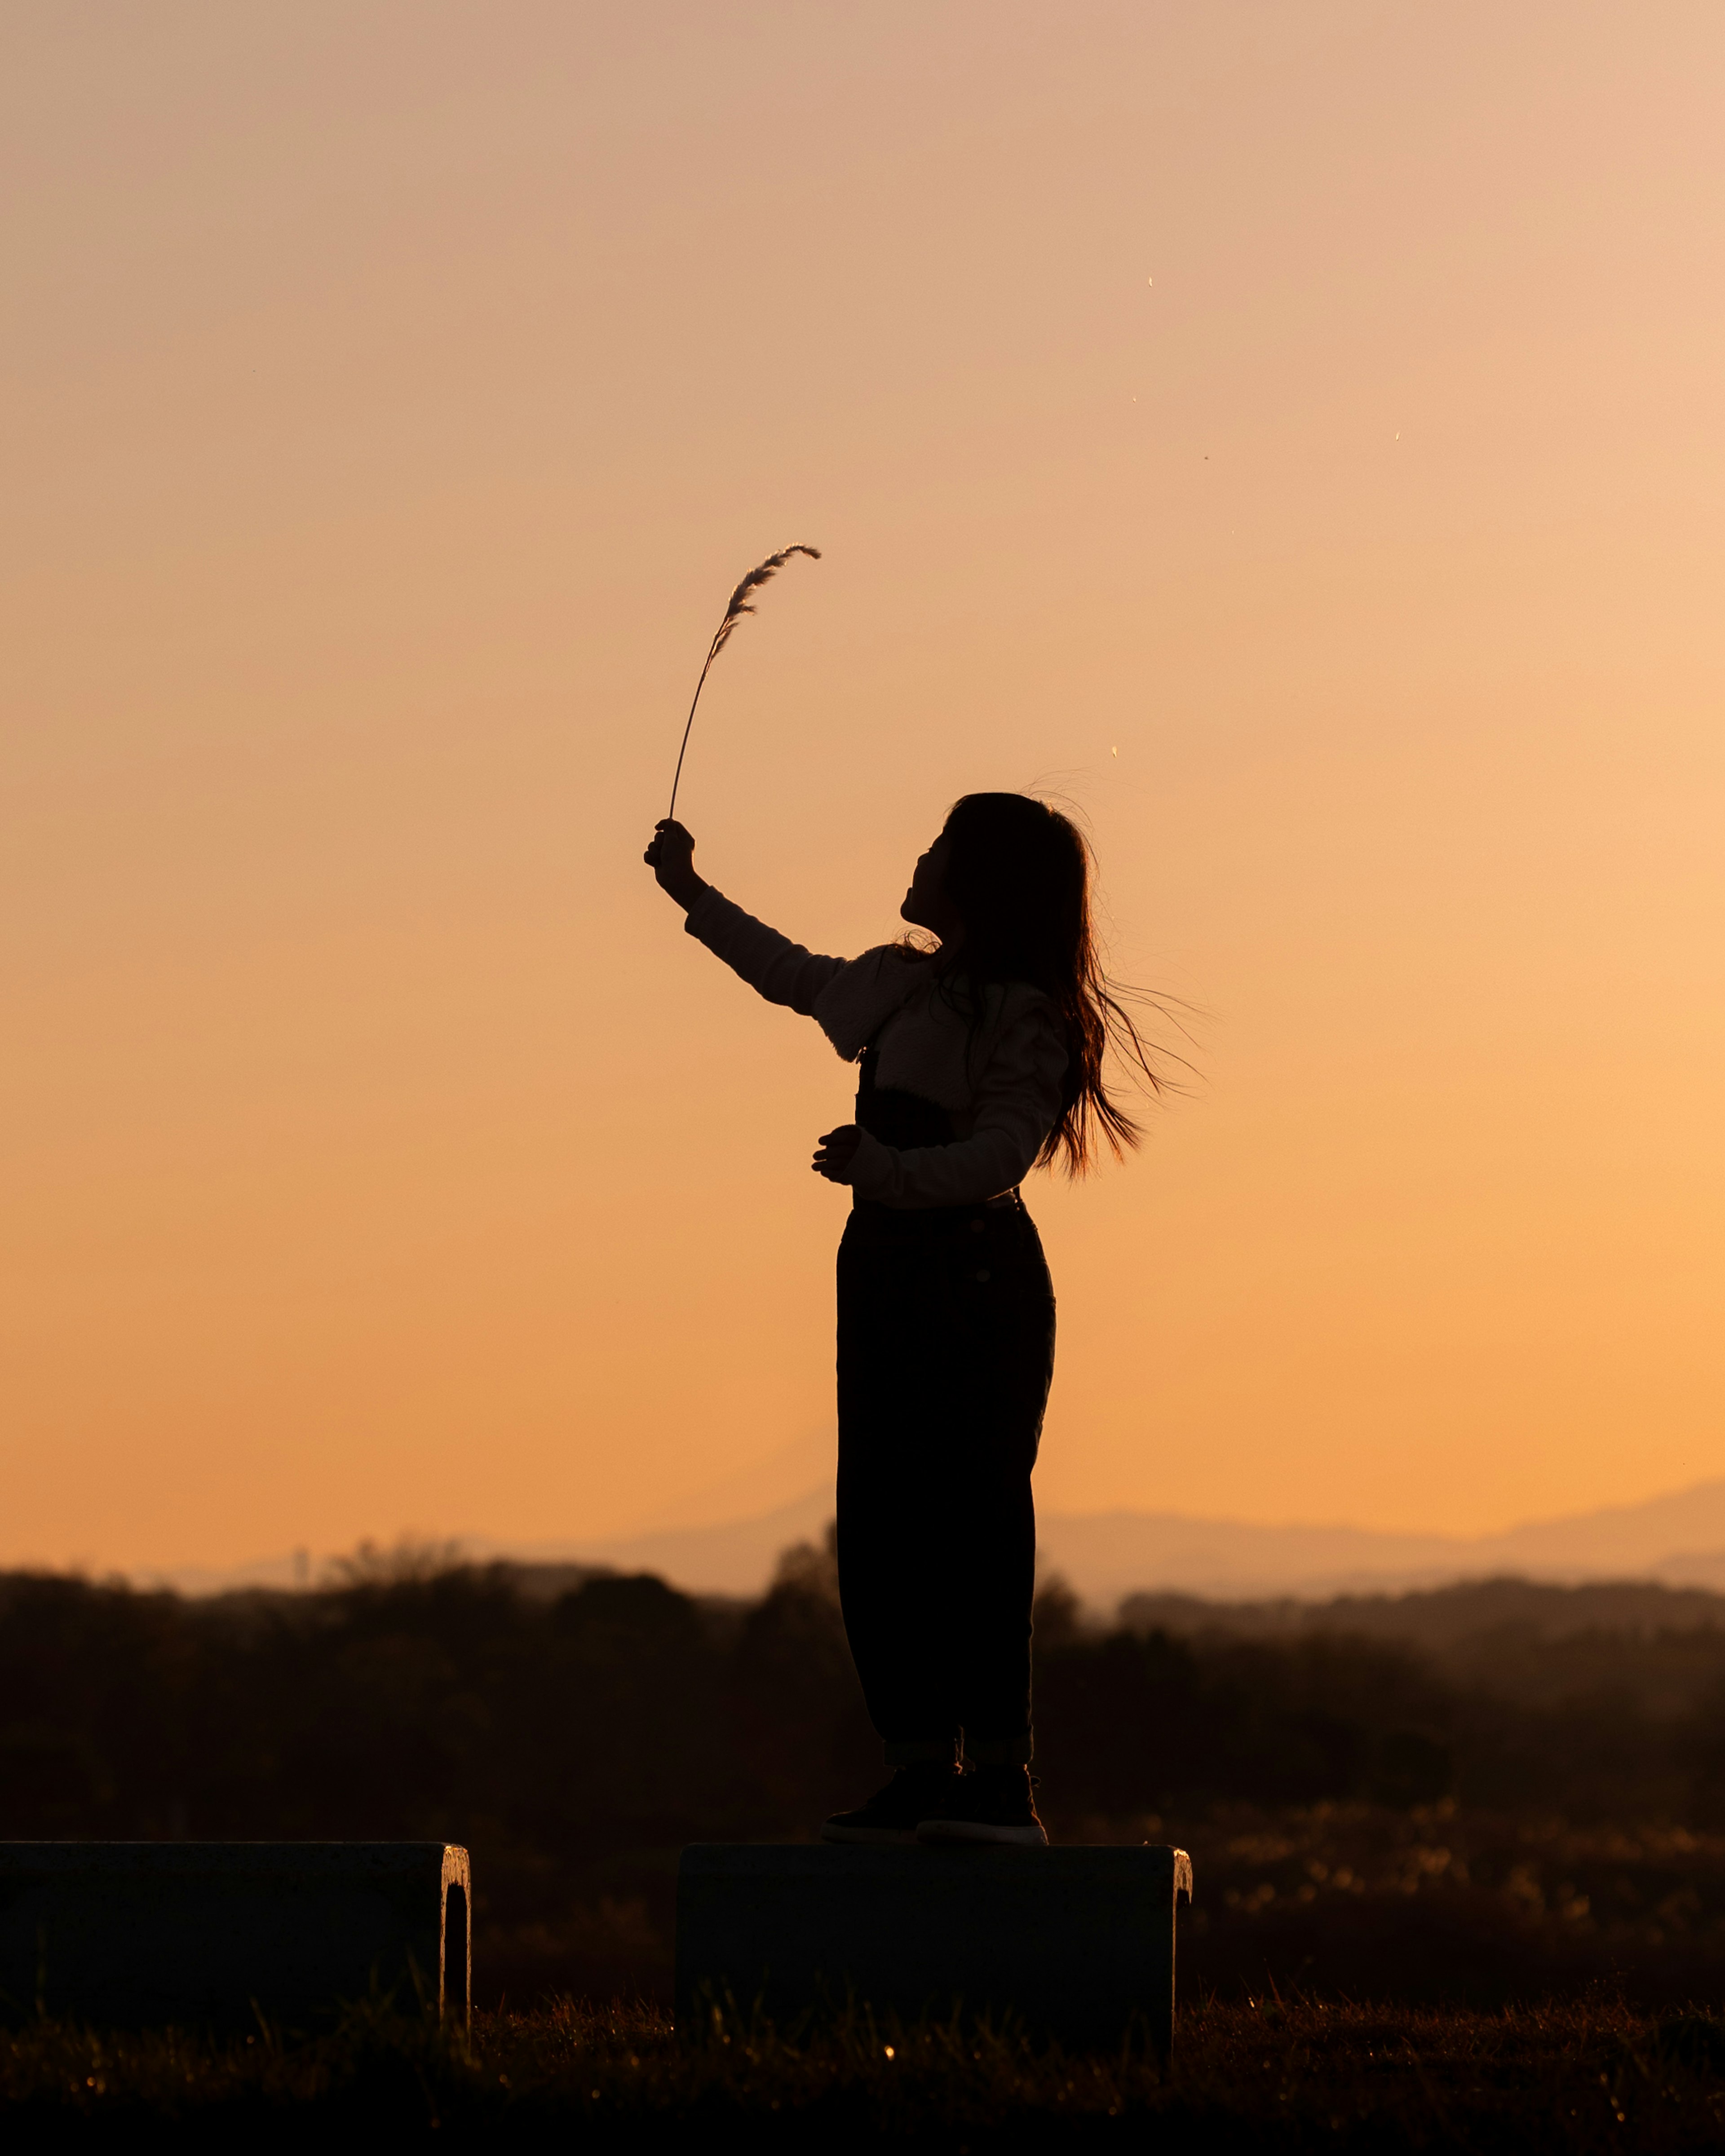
column 926, row 904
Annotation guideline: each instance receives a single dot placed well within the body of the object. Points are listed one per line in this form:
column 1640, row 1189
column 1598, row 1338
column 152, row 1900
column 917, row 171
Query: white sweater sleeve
column 782, row 971
column 1018, row 1103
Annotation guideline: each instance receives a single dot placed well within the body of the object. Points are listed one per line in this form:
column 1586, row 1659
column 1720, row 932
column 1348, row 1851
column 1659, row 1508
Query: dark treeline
column 575, row 1742
column 1661, row 1648
column 621, row 1709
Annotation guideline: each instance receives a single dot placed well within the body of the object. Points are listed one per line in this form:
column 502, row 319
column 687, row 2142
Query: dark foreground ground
column 1453, row 1803
column 1462, row 1799
column 1435, row 1906
column 1257, row 2074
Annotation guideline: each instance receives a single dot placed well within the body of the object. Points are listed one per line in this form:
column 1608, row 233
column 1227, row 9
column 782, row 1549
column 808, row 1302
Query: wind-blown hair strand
column 1019, row 875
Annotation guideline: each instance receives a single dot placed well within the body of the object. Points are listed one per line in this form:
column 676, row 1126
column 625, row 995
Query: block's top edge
column 814, row 1859
column 200, row 1855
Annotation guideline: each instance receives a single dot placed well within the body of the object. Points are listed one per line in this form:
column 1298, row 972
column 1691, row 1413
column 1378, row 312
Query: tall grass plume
column 740, row 605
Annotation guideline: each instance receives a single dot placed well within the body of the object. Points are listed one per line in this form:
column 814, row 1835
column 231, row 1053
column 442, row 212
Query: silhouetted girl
column 977, row 1062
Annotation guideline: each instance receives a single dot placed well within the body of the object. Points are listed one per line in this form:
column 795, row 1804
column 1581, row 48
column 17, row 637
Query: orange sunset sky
column 1293, row 433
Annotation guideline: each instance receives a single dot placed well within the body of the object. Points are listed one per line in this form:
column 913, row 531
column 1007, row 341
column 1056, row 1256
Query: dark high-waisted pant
column 946, row 1352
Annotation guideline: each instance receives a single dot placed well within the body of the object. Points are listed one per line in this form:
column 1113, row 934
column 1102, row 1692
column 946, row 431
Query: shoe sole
column 974, row 1830
column 896, row 1836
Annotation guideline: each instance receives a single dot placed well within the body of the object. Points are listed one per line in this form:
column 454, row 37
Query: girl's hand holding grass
column 671, row 858
column 835, row 1152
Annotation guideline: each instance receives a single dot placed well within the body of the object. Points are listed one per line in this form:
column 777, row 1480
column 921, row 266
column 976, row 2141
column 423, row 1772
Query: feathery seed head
column 738, row 607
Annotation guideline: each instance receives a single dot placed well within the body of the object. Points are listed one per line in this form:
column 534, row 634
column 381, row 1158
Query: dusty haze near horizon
column 1292, row 434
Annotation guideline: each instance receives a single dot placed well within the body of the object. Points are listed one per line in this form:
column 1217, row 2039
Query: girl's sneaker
column 895, row 1813
column 989, row 1804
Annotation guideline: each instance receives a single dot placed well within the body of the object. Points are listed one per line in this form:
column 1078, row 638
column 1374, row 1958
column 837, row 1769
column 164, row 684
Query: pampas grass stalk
column 739, row 606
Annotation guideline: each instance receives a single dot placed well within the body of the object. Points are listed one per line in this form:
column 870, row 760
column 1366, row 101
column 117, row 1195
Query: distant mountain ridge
column 1678, row 1540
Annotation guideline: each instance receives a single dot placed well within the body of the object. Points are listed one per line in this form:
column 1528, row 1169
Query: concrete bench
column 135, row 1934
column 1076, row 1944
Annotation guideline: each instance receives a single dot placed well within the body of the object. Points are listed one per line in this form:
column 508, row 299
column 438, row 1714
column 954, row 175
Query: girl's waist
column 873, row 1222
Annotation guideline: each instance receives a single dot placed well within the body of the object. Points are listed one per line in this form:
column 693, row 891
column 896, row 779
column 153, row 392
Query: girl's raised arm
column 781, row 970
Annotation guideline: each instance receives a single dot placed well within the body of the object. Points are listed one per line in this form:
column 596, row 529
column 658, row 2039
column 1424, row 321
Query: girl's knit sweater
column 999, row 1081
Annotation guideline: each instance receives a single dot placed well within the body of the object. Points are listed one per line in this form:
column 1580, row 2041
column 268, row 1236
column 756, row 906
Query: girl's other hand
column 671, row 858
column 835, row 1152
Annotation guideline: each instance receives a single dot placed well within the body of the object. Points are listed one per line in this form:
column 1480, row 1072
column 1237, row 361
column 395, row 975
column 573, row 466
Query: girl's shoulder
column 863, row 994
column 895, row 961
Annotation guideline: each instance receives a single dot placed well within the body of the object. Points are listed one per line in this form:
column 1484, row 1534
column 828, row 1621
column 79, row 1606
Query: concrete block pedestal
column 139, row 1934
column 1077, row 1943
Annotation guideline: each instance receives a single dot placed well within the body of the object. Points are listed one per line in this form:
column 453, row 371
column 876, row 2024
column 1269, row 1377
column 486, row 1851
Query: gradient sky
column 1293, row 434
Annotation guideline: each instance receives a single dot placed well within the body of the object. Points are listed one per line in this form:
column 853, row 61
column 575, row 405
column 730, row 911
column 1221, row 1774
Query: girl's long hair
column 1019, row 875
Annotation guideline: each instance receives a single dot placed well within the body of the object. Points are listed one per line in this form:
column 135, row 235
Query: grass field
column 1452, row 1805
column 1265, row 2074
column 1439, row 1905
